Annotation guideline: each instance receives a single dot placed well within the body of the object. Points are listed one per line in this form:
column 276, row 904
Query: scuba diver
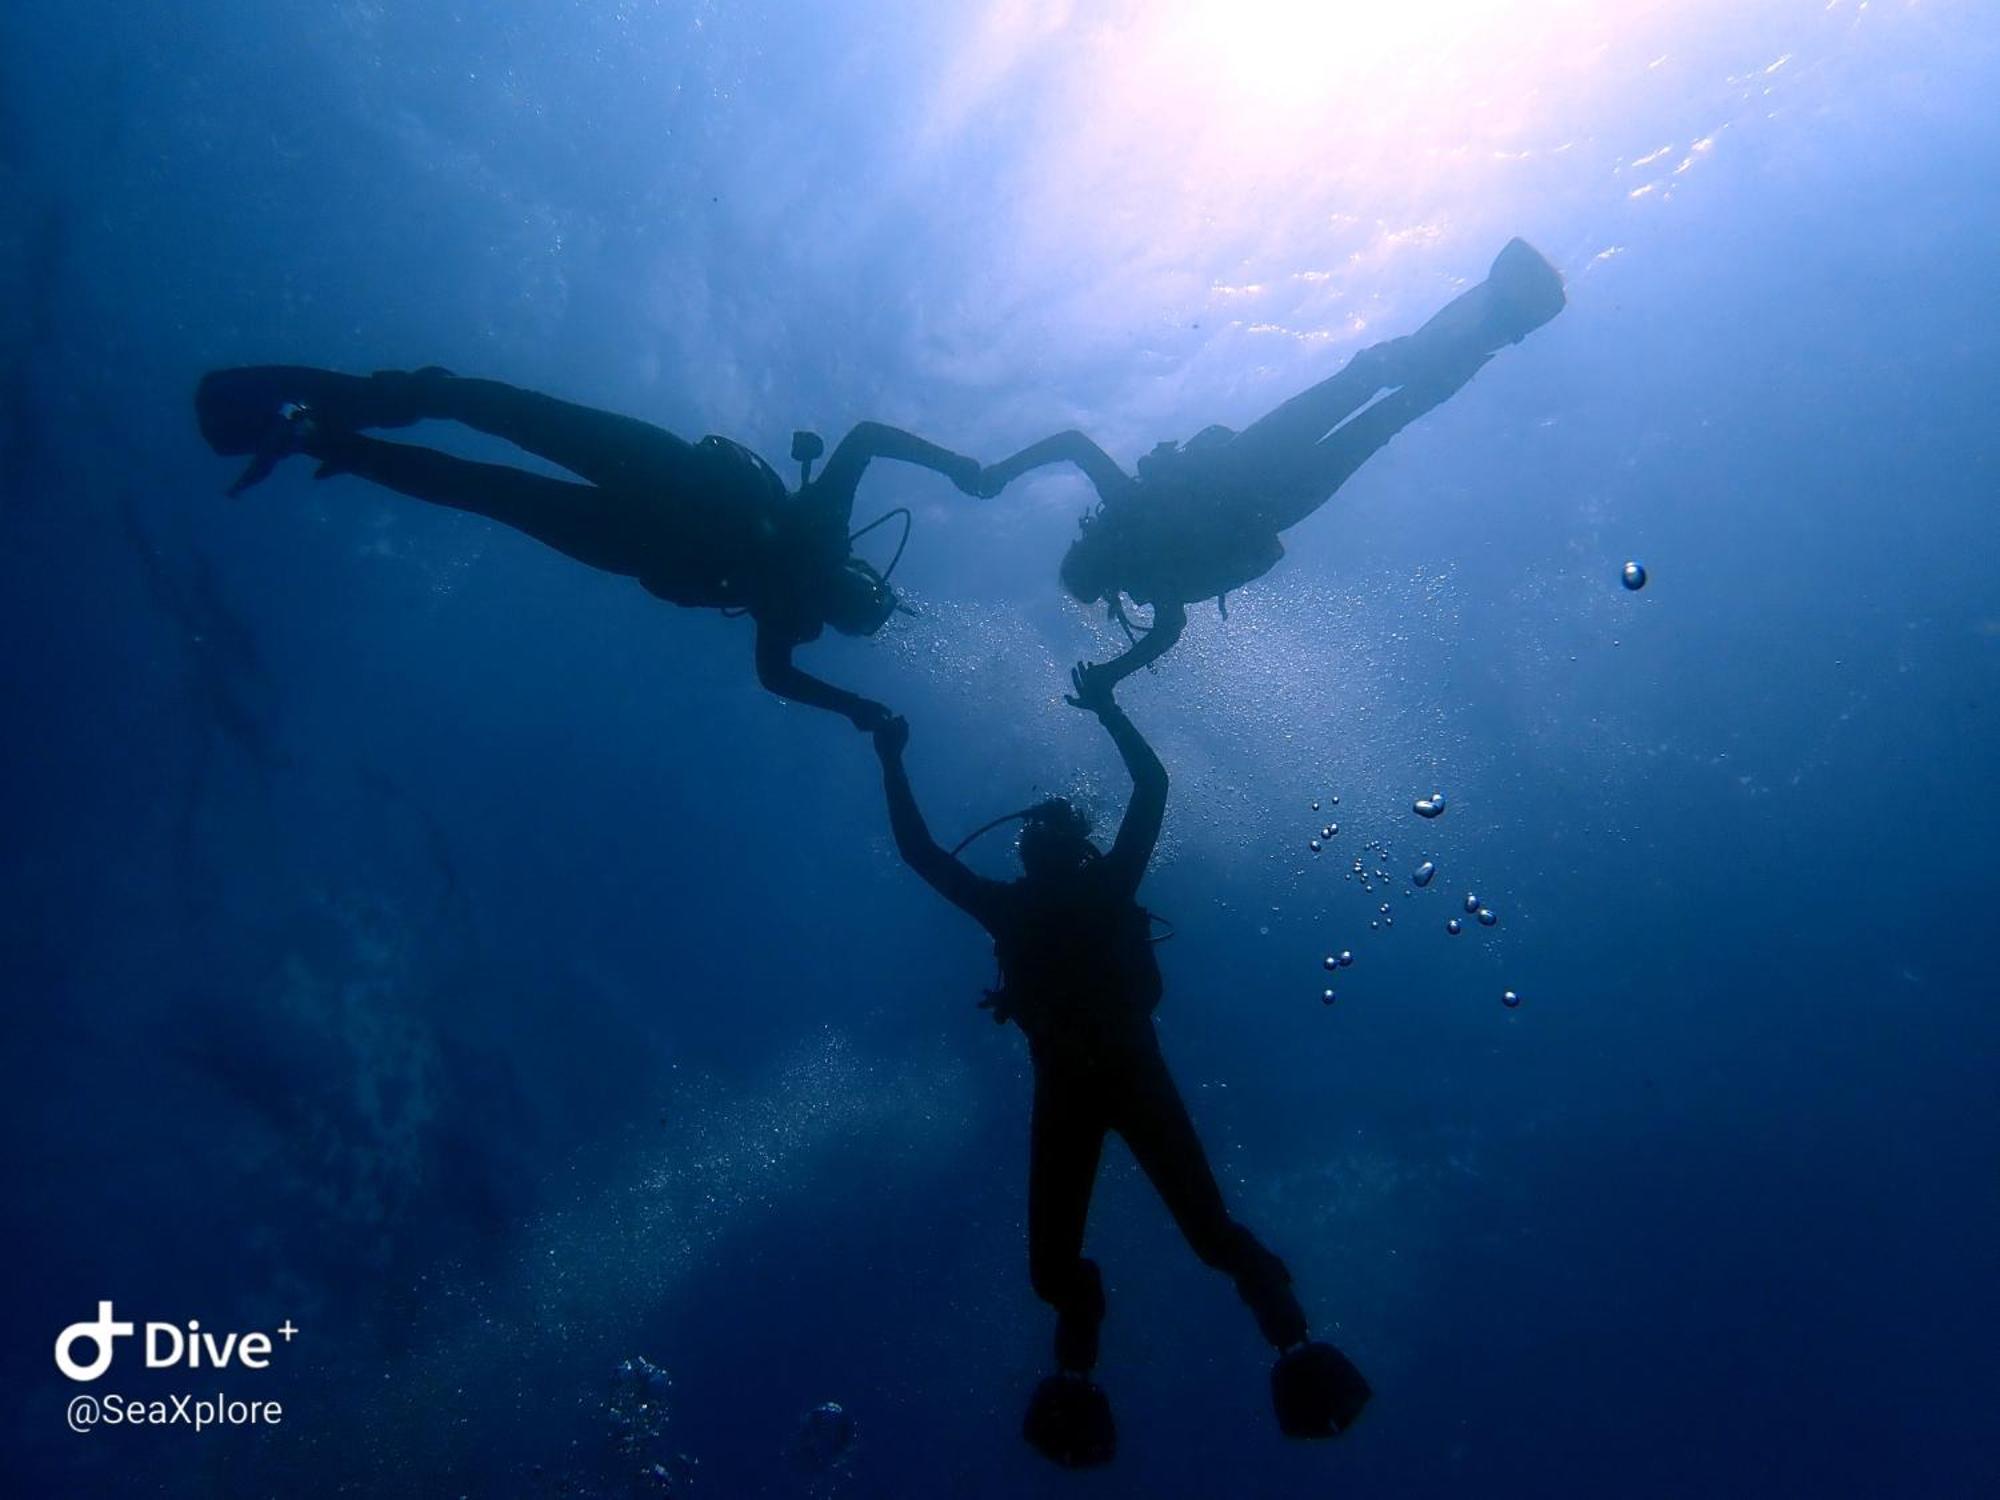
column 1079, row 977
column 1203, row 518
column 705, row 525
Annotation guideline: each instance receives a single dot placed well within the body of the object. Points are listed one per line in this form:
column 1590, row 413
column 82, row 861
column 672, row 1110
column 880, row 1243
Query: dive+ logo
column 168, row 1346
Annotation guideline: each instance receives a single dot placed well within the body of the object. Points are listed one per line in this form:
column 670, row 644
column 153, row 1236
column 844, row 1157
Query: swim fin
column 1069, row 1422
column 1317, row 1392
column 236, row 408
column 1521, row 292
column 1527, row 290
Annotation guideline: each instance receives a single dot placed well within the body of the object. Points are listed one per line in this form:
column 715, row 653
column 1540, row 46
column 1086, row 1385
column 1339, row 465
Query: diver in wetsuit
column 1203, row 518
column 1079, row 977
column 706, row 525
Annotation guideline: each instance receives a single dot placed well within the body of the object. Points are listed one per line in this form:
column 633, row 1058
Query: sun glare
column 1257, row 184
column 1278, row 55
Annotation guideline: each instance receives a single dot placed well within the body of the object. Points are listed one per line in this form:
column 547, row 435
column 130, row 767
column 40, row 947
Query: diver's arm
column 1065, row 447
column 942, row 872
column 872, row 440
column 777, row 671
column 1169, row 620
column 1140, row 831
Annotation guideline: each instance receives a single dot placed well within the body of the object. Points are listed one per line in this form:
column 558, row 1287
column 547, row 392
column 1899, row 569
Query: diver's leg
column 1332, row 461
column 238, row 408
column 1316, row 1391
column 1065, row 1142
column 1068, row 1418
column 1156, row 1126
column 1306, row 449
column 1309, row 416
column 592, row 525
column 603, row 447
column 1521, row 292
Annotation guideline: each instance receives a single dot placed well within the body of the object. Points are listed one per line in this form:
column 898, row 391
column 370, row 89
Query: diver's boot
column 1316, row 1391
column 1521, row 292
column 1069, row 1421
column 1266, row 1289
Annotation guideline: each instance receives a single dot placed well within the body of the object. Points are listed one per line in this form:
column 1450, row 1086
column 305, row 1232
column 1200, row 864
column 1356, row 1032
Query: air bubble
column 1421, row 876
column 1634, row 576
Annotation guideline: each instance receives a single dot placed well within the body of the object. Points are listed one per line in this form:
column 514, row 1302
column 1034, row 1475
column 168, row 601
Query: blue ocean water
column 414, row 937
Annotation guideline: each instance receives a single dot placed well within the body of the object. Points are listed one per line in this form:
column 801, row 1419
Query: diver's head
column 859, row 600
column 1090, row 567
column 1055, row 839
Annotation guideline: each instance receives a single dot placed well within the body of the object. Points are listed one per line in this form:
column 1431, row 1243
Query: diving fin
column 235, row 408
column 1521, row 292
column 1527, row 290
column 1317, row 1392
column 1069, row 1422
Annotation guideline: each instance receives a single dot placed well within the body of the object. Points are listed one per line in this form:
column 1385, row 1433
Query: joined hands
column 1093, row 684
column 891, row 735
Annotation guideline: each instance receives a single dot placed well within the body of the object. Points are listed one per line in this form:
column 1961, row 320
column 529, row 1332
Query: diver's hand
column 869, row 716
column 964, row 472
column 891, row 735
column 1093, row 684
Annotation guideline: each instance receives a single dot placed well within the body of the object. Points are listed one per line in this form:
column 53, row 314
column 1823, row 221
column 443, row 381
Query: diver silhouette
column 1203, row 518
column 704, row 525
column 1079, row 977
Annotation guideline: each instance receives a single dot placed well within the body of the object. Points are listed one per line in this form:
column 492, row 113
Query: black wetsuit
column 1080, row 978
column 705, row 525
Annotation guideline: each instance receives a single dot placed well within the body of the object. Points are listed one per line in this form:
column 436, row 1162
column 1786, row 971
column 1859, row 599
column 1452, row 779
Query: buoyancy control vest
column 1076, row 962
column 1188, row 531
